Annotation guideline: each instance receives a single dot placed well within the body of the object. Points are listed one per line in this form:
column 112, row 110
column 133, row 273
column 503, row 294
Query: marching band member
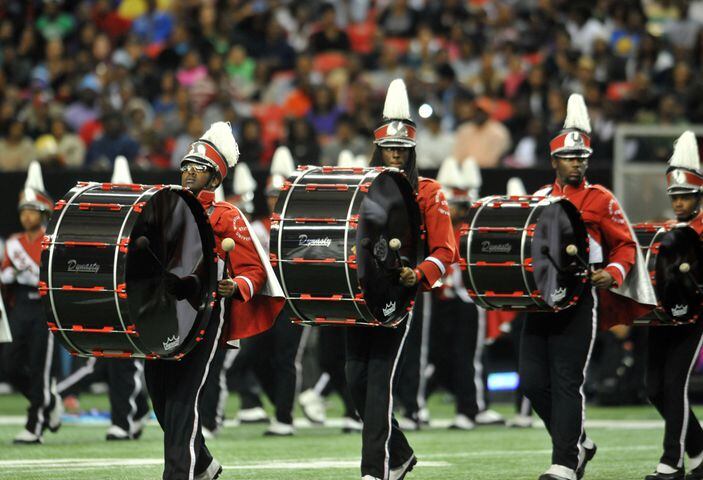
column 673, row 351
column 30, row 362
column 256, row 298
column 373, row 353
column 556, row 347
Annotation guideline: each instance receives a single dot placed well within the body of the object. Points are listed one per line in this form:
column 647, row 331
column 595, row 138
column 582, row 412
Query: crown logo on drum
column 679, row 310
column 558, row 294
column 389, row 309
column 171, row 342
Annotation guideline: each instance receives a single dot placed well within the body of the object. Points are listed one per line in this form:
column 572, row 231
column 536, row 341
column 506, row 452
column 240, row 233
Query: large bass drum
column 514, row 253
column 330, row 235
column 665, row 248
column 103, row 274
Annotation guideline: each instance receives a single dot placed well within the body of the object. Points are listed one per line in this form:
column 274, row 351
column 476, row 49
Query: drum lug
column 59, row 205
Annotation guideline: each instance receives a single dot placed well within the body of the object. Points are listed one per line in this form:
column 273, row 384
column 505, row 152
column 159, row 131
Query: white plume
column 471, row 173
column 577, row 114
column 220, row 194
column 34, row 177
column 515, row 188
column 120, row 172
column 397, row 105
column 282, row 162
column 346, row 159
column 220, row 135
column 686, row 152
column 449, row 174
column 243, row 181
column 361, row 161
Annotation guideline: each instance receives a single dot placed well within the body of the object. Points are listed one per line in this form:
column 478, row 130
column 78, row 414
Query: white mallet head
column 227, row 244
column 572, row 250
column 685, row 267
column 394, row 244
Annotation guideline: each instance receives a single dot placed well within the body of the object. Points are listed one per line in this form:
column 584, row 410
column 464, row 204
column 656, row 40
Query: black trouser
column 175, row 388
column 127, row 392
column 215, row 392
column 457, row 339
column 274, row 358
column 373, row 355
column 331, row 357
column 554, row 356
column 31, row 360
column 522, row 403
column 673, row 352
column 412, row 381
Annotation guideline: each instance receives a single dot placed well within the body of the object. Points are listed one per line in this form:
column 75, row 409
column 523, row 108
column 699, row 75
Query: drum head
column 180, row 241
column 678, row 292
column 560, row 279
column 387, row 211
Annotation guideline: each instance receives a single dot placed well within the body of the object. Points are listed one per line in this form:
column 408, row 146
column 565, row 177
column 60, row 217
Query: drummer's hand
column 602, row 279
column 408, row 277
column 226, row 287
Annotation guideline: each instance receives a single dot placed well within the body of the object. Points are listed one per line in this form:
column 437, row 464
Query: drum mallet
column 143, row 243
column 394, row 244
column 573, row 251
column 227, row 246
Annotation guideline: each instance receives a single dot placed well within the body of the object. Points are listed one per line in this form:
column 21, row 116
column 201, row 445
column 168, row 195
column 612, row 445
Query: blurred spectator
column 324, row 112
column 191, row 69
column 250, row 143
column 154, row 26
column 70, row 147
column 16, row 149
column 398, row 19
column 114, row 141
column 55, row 23
column 84, row 109
column 433, row 143
column 484, row 139
column 329, row 36
column 47, row 151
column 194, row 128
column 302, row 142
column 346, row 138
column 584, row 29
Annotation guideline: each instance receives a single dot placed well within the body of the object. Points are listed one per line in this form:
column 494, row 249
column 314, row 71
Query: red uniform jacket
column 441, row 245
column 696, row 224
column 251, row 313
column 611, row 243
column 21, row 261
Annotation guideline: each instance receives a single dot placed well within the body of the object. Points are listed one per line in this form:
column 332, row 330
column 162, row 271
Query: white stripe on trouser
column 321, row 383
column 525, row 406
column 424, row 348
column 594, row 328
column 77, row 376
column 230, row 356
column 686, row 405
column 478, row 360
column 137, row 378
column 46, row 379
column 191, row 445
column 387, row 458
column 299, row 359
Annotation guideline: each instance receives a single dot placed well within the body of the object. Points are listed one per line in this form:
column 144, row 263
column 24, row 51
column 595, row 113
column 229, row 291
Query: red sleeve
column 617, row 237
column 440, row 234
column 246, row 267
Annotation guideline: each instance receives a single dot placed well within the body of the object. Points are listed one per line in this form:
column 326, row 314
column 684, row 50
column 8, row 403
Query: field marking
column 302, row 423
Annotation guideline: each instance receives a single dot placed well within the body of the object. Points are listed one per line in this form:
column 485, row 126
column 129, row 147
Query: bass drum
column 330, row 235
column 678, row 291
column 103, row 276
column 514, row 253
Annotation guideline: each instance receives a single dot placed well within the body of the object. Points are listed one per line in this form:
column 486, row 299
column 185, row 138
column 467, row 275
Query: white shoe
column 489, row 417
column 408, row 424
column 462, row 422
column 278, row 429
column 520, row 421
column 424, row 416
column 55, row 414
column 116, row 433
column 207, row 434
column 313, row 406
column 369, row 477
column 25, row 437
column 561, row 471
column 252, row 415
column 400, row 472
column 211, row 472
column 139, row 425
column 350, row 425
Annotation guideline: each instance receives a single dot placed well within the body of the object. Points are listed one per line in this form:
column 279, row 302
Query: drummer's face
column 395, row 157
column 570, row 170
column 30, row 219
column 194, row 180
column 684, row 205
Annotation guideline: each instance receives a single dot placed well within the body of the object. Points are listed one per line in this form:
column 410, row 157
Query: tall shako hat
column 282, row 167
column 120, row 172
column 396, row 129
column 472, row 176
column 683, row 174
column 574, row 141
column 515, row 187
column 243, row 187
column 454, row 184
column 217, row 149
column 34, row 194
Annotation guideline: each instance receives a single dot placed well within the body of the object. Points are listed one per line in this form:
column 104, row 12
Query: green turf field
column 628, row 448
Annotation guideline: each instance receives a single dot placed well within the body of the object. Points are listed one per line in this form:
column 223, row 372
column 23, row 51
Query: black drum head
column 170, row 234
column 387, row 212
column 558, row 275
column 678, row 292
